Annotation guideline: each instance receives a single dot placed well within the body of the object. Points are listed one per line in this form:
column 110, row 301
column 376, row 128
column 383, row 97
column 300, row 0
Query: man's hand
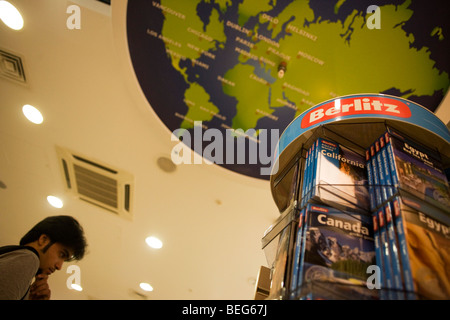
column 39, row 289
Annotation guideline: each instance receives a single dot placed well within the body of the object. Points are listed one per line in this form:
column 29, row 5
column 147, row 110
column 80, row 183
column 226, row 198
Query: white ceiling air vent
column 11, row 67
column 97, row 183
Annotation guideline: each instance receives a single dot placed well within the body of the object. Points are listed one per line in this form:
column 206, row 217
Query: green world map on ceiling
column 218, row 61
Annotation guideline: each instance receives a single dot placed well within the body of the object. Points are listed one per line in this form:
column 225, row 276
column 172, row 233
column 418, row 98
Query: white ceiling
column 211, row 220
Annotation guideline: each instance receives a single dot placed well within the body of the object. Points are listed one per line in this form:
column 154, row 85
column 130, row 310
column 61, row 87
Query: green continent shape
column 251, row 8
column 190, row 46
column 343, row 59
column 200, row 109
column 187, row 33
column 251, row 96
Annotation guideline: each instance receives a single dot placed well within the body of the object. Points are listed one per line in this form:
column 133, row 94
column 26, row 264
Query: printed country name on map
column 301, row 32
column 168, row 10
column 248, row 32
column 254, row 57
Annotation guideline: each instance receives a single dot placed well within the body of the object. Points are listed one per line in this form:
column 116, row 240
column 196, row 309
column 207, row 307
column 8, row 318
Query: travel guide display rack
column 360, row 181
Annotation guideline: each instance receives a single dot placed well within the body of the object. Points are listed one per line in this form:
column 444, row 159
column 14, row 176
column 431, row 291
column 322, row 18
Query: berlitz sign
column 356, row 106
column 376, row 107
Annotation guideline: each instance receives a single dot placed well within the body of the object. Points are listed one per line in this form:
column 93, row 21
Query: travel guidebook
column 336, row 248
column 417, row 169
column 424, row 247
column 338, row 177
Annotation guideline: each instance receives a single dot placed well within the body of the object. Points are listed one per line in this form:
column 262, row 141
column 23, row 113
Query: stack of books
column 334, row 243
column 373, row 225
column 409, row 201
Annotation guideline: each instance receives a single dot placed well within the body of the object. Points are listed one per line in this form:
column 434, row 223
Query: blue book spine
column 296, row 262
column 307, row 176
column 378, row 253
column 304, row 180
column 376, row 180
column 393, row 246
column 314, row 168
column 386, row 168
column 403, row 249
column 384, row 243
column 311, row 168
column 370, row 180
column 392, row 167
column 380, row 167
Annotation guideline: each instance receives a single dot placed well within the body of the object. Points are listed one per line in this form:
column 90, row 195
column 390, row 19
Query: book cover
column 340, row 177
column 419, row 171
column 338, row 247
column 424, row 249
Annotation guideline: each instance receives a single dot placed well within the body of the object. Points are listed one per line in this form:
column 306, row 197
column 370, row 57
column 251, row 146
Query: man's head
column 57, row 239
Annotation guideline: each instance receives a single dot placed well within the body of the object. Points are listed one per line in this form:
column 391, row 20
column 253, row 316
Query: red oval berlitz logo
column 354, row 106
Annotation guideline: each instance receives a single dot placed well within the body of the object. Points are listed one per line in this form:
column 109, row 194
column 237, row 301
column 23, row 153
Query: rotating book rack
column 354, row 121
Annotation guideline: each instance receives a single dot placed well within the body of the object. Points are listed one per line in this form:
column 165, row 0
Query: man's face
column 53, row 257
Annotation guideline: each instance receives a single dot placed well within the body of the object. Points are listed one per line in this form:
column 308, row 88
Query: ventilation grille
column 97, row 183
column 11, row 67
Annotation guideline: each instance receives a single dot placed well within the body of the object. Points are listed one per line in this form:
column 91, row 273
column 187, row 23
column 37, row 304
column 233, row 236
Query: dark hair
column 62, row 229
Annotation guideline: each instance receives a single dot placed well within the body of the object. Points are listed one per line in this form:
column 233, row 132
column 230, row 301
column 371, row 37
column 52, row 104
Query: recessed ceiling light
column 10, row 15
column 154, row 242
column 76, row 287
column 55, row 201
column 32, row 114
column 145, row 286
